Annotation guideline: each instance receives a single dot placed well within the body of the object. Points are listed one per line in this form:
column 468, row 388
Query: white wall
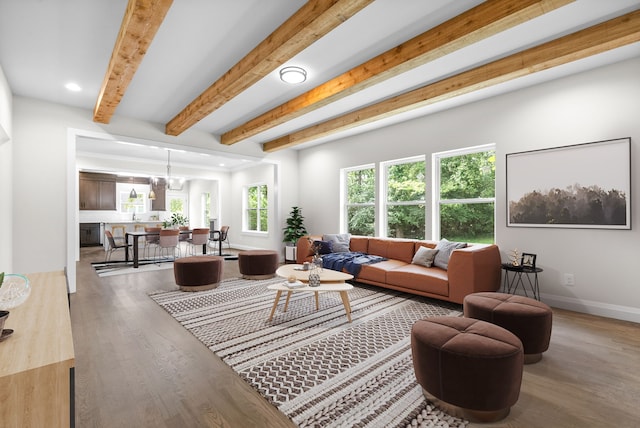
column 595, row 105
column 6, row 175
column 44, row 156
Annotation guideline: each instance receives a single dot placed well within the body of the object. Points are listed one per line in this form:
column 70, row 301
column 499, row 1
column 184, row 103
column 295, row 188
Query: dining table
column 136, row 239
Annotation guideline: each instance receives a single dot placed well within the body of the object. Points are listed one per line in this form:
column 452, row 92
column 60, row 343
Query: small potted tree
column 295, row 227
column 295, row 230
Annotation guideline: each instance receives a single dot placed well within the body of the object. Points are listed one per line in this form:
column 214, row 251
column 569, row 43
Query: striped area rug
column 314, row 366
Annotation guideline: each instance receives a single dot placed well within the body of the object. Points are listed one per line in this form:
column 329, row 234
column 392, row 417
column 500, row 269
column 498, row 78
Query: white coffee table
column 330, row 280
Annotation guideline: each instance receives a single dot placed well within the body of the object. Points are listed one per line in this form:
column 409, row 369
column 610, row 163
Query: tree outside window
column 257, row 208
column 405, row 199
column 466, row 194
column 360, row 200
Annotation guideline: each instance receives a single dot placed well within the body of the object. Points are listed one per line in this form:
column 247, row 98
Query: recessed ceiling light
column 293, row 74
column 73, row 87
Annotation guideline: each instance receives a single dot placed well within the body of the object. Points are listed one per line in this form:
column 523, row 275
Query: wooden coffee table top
column 326, row 275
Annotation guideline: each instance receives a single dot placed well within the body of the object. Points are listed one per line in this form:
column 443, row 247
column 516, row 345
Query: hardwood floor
column 137, row 367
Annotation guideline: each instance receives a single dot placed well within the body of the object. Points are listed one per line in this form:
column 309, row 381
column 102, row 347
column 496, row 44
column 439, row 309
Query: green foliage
column 295, row 226
column 361, row 220
column 176, row 219
column 360, row 200
column 573, row 205
column 406, row 187
column 1, row 278
column 467, row 222
column 468, row 176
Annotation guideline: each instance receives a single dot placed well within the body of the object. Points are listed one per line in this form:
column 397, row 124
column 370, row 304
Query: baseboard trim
column 624, row 313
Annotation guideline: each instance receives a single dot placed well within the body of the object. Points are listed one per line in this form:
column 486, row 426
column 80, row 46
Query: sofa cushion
column 340, row 242
column 378, row 271
column 400, row 250
column 445, row 248
column 392, row 248
column 424, row 256
column 415, row 277
column 359, row 244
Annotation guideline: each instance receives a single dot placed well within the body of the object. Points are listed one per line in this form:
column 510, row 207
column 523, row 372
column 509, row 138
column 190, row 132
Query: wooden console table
column 37, row 361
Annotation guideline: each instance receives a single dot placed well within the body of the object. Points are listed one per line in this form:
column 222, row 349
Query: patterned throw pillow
column 324, row 247
column 340, row 242
column 424, row 256
column 445, row 248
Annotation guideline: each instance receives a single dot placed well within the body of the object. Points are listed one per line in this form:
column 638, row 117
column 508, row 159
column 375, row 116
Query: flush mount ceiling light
column 73, row 87
column 293, row 74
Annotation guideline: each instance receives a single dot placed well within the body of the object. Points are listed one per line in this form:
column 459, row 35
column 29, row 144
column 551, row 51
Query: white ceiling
column 47, row 43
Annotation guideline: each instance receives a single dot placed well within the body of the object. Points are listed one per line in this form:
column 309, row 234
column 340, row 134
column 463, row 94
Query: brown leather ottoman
column 467, row 367
column 258, row 264
column 527, row 318
column 198, row 273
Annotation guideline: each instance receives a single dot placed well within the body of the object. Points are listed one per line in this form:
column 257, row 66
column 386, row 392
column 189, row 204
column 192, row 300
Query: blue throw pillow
column 324, row 247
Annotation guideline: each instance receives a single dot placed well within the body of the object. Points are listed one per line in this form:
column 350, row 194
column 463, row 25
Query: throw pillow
column 424, row 256
column 445, row 248
column 340, row 242
column 324, row 247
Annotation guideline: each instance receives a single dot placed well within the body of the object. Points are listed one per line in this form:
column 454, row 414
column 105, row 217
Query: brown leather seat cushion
column 198, row 273
column 468, row 363
column 527, row 318
column 256, row 264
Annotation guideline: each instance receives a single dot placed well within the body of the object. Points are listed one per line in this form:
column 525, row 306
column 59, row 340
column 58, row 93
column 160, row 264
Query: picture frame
column 528, row 260
column 570, row 187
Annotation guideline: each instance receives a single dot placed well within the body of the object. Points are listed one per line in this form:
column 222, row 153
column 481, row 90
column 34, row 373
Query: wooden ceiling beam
column 600, row 38
column 141, row 21
column 477, row 23
column 311, row 22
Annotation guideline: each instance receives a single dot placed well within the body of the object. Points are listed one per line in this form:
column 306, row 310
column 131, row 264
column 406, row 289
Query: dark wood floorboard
column 137, row 367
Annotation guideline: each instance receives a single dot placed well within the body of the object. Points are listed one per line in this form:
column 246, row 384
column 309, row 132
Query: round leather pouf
column 198, row 273
column 467, row 367
column 527, row 318
column 258, row 264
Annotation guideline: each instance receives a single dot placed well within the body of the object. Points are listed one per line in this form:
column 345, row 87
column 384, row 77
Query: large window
column 359, row 200
column 464, row 194
column 256, row 203
column 404, row 191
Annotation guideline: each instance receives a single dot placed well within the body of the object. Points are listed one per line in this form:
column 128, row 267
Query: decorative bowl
column 14, row 291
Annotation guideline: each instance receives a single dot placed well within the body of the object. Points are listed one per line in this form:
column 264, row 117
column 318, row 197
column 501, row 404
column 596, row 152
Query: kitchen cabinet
column 97, row 191
column 89, row 234
column 159, row 186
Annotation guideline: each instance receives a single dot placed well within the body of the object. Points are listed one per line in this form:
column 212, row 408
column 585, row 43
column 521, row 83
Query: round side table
column 521, row 276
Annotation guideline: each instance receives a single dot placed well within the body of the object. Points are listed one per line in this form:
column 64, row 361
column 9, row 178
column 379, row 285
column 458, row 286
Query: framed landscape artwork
column 578, row 186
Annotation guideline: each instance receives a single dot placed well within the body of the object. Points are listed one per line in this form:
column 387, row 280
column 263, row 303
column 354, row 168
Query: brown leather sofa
column 472, row 269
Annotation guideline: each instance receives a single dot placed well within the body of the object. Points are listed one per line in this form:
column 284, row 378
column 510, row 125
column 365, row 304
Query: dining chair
column 151, row 240
column 199, row 237
column 113, row 246
column 221, row 236
column 118, row 231
column 168, row 241
column 183, row 237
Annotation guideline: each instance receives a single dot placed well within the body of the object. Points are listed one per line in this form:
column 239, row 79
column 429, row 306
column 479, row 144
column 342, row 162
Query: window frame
column 436, row 175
